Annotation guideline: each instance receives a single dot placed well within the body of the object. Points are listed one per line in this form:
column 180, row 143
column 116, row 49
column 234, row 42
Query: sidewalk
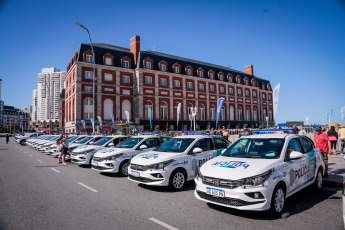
column 336, row 171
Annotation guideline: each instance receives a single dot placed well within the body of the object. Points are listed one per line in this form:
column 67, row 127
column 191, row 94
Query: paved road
column 36, row 193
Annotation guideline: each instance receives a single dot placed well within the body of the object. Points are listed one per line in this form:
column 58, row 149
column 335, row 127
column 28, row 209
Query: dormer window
column 108, row 61
column 211, row 76
column 263, row 87
column 201, row 74
column 89, row 58
column 176, row 70
column 221, row 78
column 189, row 72
column 125, row 64
column 239, row 80
column 147, row 65
column 163, row 68
column 247, row 82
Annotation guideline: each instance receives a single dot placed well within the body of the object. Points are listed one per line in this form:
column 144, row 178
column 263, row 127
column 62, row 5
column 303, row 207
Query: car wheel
column 318, row 181
column 22, row 142
column 177, row 180
column 123, row 170
column 278, row 200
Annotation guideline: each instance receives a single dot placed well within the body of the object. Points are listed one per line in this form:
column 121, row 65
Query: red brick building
column 133, row 80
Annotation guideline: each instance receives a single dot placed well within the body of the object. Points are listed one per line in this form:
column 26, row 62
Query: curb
column 333, row 183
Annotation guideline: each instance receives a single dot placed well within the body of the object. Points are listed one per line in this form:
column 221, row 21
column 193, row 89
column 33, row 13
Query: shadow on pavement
column 297, row 203
column 112, row 175
column 189, row 186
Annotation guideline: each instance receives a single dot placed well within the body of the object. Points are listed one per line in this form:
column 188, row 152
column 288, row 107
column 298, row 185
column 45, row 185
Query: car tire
column 318, row 181
column 22, row 142
column 177, row 180
column 278, row 200
column 123, row 169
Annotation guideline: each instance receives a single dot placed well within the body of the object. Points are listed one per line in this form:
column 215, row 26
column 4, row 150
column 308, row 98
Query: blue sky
column 299, row 44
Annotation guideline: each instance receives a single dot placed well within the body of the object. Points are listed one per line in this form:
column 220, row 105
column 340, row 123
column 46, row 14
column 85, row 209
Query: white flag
column 127, row 116
column 100, row 120
column 275, row 99
column 83, row 123
column 178, row 113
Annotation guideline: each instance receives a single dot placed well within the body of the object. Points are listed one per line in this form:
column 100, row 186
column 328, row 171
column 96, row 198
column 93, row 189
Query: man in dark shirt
column 245, row 131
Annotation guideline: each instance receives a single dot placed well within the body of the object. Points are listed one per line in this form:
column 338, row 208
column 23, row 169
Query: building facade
column 34, row 113
column 138, row 81
column 15, row 119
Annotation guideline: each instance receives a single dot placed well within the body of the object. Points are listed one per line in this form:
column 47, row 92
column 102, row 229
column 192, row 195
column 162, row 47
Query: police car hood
column 112, row 151
column 232, row 168
column 86, row 148
column 153, row 157
column 75, row 145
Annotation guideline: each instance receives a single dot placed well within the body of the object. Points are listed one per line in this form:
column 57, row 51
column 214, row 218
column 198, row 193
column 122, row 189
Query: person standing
column 226, row 134
column 64, row 148
column 342, row 138
column 245, row 132
column 333, row 137
column 7, row 138
column 59, row 148
column 322, row 142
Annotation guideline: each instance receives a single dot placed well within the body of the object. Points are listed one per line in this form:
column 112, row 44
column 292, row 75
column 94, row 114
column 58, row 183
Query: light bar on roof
column 196, row 132
column 272, row 130
column 148, row 133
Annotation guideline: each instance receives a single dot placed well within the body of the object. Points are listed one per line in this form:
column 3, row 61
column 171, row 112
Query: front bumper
column 80, row 159
column 148, row 177
column 236, row 198
column 106, row 166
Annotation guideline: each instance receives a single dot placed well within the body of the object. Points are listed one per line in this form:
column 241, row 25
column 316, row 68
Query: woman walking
column 59, row 148
column 333, row 137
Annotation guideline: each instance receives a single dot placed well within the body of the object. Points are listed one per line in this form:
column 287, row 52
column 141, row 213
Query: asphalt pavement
column 37, row 193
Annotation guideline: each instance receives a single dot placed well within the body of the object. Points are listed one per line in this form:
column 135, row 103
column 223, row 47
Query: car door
column 297, row 167
column 220, row 144
column 308, row 149
column 198, row 159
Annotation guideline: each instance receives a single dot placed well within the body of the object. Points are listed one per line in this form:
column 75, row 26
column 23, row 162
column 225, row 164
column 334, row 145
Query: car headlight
column 160, row 165
column 113, row 157
column 255, row 180
column 198, row 175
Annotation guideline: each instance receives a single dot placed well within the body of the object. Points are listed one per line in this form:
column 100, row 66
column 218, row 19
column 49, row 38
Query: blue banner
column 91, row 122
column 219, row 108
column 112, row 118
column 150, row 116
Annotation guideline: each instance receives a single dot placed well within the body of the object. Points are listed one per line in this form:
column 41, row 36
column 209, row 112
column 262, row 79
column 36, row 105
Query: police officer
column 245, row 131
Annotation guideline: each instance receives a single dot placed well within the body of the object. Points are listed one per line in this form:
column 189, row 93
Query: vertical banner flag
column 342, row 112
column 178, row 113
column 137, row 120
column 112, row 118
column 275, row 100
column 150, row 115
column 219, row 108
column 332, row 110
column 92, row 122
column 127, row 116
column 83, row 123
column 78, row 125
column 99, row 120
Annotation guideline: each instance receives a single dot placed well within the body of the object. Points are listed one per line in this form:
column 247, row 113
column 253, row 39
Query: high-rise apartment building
column 34, row 106
column 49, row 85
column 1, row 107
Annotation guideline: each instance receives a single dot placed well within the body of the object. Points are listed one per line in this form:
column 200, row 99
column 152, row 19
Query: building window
column 263, row 96
column 163, row 81
column 247, row 92
column 147, row 65
column 247, row 82
column 255, row 115
column 263, row 87
column 239, row 92
column 248, row 114
column 269, row 97
column 264, row 115
column 221, row 78
column 202, row 112
column 211, row 76
column 239, row 80
column 189, row 108
column 232, row 113
column 88, row 89
column 177, row 83
column 201, row 86
column 231, row 91
column 126, row 106
column 164, row 111
column 163, row 68
column 177, row 70
column 148, row 80
column 221, row 89
column 189, row 85
column 108, row 61
column 222, row 114
column 213, row 113
column 108, row 77
column 189, row 72
column 89, row 58
column 212, row 88
column 88, row 108
column 108, row 108
column 240, row 113
column 254, row 93
column 88, row 75
column 201, row 74
column 126, row 79
column 125, row 64
column 270, row 116
column 148, row 104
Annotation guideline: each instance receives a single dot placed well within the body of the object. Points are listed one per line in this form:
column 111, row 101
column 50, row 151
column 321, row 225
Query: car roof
column 273, row 135
column 193, row 136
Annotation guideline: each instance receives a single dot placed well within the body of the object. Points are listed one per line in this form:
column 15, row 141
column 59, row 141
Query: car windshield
column 269, row 148
column 77, row 139
column 130, row 143
column 176, row 145
column 72, row 138
column 103, row 141
column 83, row 141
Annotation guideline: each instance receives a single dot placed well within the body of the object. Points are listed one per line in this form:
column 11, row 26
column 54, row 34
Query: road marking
column 30, row 156
column 40, row 161
column 163, row 224
column 25, row 152
column 55, row 170
column 85, row 186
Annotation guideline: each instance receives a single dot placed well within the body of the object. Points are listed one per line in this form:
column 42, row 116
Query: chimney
column 135, row 47
column 249, row 69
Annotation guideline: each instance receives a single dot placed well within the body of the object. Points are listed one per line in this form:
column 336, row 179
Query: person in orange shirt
column 323, row 143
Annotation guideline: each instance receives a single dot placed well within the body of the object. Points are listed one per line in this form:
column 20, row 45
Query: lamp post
column 194, row 111
column 267, row 121
column 94, row 75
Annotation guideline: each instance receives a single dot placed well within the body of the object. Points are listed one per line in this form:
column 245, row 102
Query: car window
column 204, row 144
column 151, row 142
column 293, row 146
column 306, row 145
column 164, row 139
column 219, row 143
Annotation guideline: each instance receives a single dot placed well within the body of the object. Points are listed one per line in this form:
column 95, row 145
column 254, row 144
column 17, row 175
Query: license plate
column 95, row 163
column 215, row 192
column 135, row 173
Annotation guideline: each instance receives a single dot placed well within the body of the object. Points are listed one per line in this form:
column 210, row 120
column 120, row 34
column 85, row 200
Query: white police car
column 116, row 159
column 259, row 172
column 175, row 161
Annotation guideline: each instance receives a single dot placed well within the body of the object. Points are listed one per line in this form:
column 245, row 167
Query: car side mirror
column 91, row 142
column 223, row 151
column 111, row 144
column 295, row 155
column 143, row 147
column 197, row 150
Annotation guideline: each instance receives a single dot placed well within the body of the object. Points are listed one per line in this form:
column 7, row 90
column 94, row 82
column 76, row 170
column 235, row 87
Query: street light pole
column 267, row 121
column 94, row 75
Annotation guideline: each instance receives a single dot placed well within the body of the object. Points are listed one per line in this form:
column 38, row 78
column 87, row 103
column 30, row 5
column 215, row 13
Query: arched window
column 248, row 114
column 108, row 108
column 88, row 108
column 164, row 110
column 126, row 106
column 148, row 104
column 190, row 107
column 202, row 112
column 240, row 113
column 264, row 115
column 222, row 113
column 255, row 114
column 232, row 113
column 213, row 113
column 270, row 115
